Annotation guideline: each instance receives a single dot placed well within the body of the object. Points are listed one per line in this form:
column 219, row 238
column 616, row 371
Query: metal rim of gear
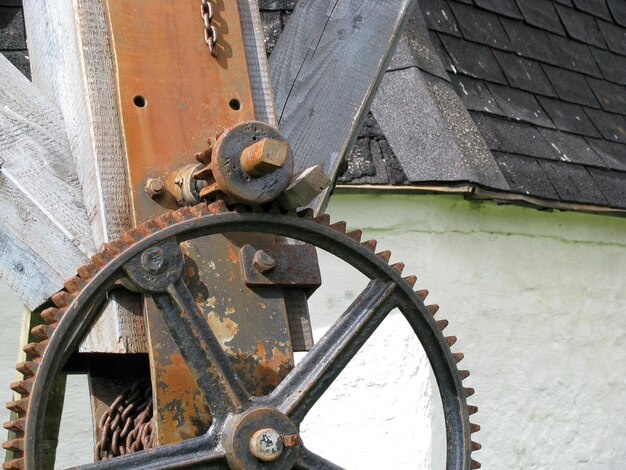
column 216, row 217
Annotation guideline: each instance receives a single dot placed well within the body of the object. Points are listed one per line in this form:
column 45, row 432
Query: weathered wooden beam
column 44, row 231
column 258, row 69
column 325, row 70
column 72, row 64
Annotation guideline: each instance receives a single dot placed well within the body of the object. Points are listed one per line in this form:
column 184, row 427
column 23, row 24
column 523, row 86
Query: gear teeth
column 19, row 406
column 148, row 227
column 205, row 173
column 27, row 369
column 464, row 374
column 398, row 267
column 17, row 425
column 204, row 157
column 15, row 464
column 474, row 428
column 166, row 219
column 199, row 210
column 451, row 340
column 410, row 280
column 208, row 190
column 370, row 245
column 339, row 226
column 74, row 285
column 217, row 207
column 433, row 309
column 40, row 332
column 458, row 357
column 385, row 255
column 476, row 446
column 86, row 271
column 323, row 219
column 15, row 445
column 469, row 391
column 35, row 350
column 472, row 409
column 101, row 258
column 22, row 387
column 442, row 324
column 51, row 315
column 475, row 464
column 422, row 294
column 182, row 214
column 61, row 299
column 134, row 235
column 355, row 235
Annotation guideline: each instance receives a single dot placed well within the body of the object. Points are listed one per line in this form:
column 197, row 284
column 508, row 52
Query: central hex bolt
column 263, row 261
column 155, row 187
column 153, row 260
column 266, row 445
column 264, row 157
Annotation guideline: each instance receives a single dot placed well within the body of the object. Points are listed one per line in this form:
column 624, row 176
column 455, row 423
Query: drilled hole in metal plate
column 235, row 104
column 140, row 101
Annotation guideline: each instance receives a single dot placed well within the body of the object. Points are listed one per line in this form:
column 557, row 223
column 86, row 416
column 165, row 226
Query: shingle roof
column 557, row 124
column 13, row 36
column 543, row 82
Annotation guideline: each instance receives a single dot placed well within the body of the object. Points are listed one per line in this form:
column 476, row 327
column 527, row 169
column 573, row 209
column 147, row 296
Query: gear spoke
column 297, row 394
column 218, row 381
column 311, row 461
column 191, row 453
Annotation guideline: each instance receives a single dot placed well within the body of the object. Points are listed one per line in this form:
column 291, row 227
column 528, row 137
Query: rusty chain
column 210, row 32
column 126, row 426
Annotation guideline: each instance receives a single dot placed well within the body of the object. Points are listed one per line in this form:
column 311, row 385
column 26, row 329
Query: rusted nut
column 290, row 440
column 266, row 445
column 264, row 157
column 155, row 187
column 263, row 261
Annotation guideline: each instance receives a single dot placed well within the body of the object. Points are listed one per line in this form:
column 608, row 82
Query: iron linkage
column 210, row 32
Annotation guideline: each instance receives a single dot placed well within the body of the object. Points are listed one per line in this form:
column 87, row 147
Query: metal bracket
column 293, row 266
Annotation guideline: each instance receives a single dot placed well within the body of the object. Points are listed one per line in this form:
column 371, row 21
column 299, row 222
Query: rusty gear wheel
column 149, row 257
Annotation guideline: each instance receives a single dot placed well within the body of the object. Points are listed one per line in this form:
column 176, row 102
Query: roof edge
column 477, row 192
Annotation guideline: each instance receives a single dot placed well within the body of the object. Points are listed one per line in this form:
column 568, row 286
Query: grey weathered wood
column 44, row 231
column 325, row 70
column 258, row 69
column 72, row 63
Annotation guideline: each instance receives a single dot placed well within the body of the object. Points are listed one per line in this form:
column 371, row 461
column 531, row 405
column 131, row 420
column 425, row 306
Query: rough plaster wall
column 538, row 301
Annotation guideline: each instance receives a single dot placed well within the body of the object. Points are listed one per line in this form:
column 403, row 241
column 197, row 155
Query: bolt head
column 153, row 260
column 155, row 187
column 263, row 261
column 264, row 157
column 266, row 445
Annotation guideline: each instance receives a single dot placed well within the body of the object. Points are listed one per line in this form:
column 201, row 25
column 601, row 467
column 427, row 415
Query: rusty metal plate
column 174, row 95
column 295, row 266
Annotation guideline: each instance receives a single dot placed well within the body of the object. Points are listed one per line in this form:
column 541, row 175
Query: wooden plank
column 258, row 68
column 325, row 70
column 72, row 64
column 41, row 210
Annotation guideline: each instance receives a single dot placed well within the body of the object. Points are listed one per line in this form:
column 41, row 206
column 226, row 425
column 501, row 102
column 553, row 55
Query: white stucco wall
column 538, row 301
